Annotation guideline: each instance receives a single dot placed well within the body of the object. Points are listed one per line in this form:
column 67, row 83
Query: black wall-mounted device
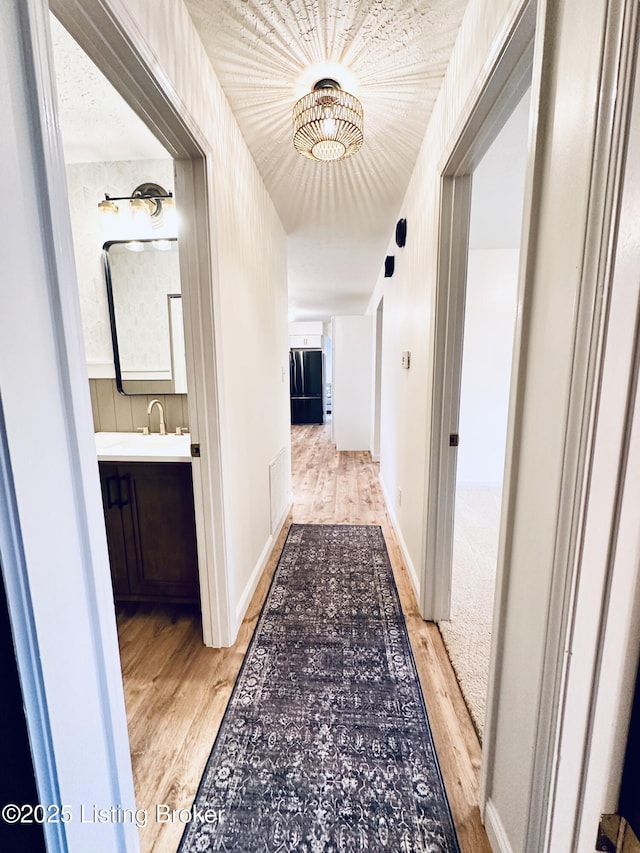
column 389, row 266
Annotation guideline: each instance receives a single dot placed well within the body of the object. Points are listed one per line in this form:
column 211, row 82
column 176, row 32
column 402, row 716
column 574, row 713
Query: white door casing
column 580, row 98
column 506, row 82
column 564, row 283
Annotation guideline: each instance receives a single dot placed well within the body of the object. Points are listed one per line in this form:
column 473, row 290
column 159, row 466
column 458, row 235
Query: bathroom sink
column 135, row 447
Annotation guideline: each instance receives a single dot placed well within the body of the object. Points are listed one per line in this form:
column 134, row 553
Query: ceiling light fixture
column 328, row 122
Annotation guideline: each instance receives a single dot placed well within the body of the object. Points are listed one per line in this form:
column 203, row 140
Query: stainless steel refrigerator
column 305, row 380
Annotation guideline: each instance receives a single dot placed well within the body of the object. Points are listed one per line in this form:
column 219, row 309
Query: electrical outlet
column 399, row 497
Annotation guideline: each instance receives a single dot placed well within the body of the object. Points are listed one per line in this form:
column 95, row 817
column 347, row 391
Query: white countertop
column 135, row 447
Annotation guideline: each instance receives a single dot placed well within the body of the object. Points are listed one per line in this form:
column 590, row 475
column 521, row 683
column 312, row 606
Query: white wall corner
column 352, row 359
column 256, row 574
column 495, row 830
column 413, row 576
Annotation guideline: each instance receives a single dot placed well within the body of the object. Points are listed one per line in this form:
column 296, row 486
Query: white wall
column 352, row 367
column 489, row 322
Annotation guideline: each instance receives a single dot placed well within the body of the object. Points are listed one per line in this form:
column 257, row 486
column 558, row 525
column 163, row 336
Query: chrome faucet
column 163, row 429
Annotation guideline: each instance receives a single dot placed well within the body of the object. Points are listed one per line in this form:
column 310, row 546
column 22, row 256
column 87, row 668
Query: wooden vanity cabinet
column 151, row 532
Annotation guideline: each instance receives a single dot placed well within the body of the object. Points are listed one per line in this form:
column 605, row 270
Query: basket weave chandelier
column 327, row 123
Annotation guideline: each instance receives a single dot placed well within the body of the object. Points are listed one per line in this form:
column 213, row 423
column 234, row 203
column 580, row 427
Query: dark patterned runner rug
column 325, row 746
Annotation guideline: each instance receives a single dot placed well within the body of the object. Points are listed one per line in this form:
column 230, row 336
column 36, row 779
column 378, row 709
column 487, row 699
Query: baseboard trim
column 495, row 830
column 413, row 576
column 259, row 568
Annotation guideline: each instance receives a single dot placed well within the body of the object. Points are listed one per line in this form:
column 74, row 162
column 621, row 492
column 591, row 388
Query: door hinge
column 195, row 450
column 616, row 836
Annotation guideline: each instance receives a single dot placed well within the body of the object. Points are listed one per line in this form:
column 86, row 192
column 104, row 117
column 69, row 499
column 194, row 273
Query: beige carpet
column 467, row 636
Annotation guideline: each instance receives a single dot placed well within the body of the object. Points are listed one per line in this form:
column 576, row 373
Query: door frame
column 561, row 744
column 14, row 573
column 505, row 85
column 600, row 658
column 110, row 38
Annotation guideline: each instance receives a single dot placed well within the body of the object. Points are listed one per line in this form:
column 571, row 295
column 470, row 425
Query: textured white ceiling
column 339, row 217
column 391, row 54
column 96, row 123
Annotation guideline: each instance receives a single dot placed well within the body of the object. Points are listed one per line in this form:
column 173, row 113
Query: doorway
column 490, row 305
column 105, row 43
column 507, row 85
column 113, row 151
column 19, row 784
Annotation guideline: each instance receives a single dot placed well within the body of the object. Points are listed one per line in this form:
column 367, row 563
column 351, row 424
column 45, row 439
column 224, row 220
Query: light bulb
column 329, row 127
column 108, row 208
column 110, row 220
column 169, row 217
column 140, row 212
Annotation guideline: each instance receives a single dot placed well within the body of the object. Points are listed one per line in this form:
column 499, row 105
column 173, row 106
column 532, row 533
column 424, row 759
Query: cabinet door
column 159, row 526
column 118, row 552
column 305, row 341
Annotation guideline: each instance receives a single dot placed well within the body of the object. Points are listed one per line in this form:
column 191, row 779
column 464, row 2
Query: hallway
column 176, row 690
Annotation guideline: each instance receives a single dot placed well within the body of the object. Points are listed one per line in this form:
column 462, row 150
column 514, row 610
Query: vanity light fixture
column 148, row 202
column 328, row 123
column 162, row 245
column 134, row 246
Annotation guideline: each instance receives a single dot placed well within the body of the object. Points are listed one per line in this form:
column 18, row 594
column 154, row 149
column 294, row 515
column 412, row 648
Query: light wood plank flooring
column 176, row 690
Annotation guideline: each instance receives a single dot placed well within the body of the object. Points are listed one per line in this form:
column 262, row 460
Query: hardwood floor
column 176, row 690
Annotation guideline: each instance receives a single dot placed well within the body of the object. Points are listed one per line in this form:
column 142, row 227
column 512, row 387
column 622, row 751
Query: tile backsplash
column 113, row 412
